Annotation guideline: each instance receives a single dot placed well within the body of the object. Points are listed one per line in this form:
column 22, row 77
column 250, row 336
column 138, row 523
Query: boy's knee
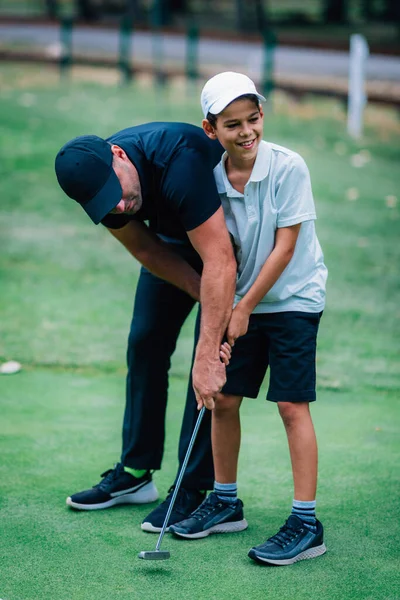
column 291, row 412
column 226, row 404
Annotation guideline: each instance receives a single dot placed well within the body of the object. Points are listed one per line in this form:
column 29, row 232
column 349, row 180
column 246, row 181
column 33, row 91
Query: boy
column 280, row 295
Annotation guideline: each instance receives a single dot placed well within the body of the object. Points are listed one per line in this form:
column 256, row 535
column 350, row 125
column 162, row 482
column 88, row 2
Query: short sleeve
column 190, row 188
column 117, row 221
column 293, row 196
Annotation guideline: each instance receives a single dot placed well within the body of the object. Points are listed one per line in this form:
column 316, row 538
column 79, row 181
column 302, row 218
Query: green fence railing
column 190, row 60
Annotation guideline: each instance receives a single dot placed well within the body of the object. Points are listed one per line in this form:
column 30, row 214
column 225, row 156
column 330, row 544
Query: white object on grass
column 10, row 367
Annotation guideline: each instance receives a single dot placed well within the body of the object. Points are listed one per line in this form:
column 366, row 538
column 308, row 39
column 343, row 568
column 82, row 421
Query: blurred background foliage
column 326, row 23
column 241, row 15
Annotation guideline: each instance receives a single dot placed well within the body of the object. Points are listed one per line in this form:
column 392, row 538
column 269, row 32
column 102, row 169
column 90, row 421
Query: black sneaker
column 292, row 543
column 213, row 516
column 186, row 502
column 117, row 487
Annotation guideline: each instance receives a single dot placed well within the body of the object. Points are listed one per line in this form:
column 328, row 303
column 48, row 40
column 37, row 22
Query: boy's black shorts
column 286, row 343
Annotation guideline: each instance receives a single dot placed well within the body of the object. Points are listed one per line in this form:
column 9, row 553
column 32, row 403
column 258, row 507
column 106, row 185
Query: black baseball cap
column 84, row 171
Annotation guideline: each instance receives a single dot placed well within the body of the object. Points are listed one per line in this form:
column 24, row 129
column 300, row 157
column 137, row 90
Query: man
column 152, row 186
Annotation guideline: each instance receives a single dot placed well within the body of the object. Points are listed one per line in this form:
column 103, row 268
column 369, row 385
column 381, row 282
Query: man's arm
column 157, row 257
column 212, row 242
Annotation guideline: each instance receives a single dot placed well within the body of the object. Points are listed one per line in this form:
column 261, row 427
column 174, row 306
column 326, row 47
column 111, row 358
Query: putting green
column 66, row 295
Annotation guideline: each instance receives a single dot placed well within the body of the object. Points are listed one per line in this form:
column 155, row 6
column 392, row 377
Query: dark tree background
column 52, row 8
column 334, row 11
column 244, row 15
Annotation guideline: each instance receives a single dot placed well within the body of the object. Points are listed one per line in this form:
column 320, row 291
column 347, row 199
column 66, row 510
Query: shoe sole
column 233, row 527
column 307, row 554
column 145, row 495
column 146, row 526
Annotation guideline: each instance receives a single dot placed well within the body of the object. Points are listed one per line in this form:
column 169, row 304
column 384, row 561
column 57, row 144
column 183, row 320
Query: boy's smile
column 239, row 128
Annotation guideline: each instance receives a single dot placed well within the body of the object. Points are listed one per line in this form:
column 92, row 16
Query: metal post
column 267, row 81
column 156, row 19
column 357, row 98
column 125, row 37
column 191, row 52
column 65, row 61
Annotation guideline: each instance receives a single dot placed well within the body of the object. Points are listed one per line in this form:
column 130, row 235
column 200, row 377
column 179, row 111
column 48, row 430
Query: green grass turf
column 66, row 295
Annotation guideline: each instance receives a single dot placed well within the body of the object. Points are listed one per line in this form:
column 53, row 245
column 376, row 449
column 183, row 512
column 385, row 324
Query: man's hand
column 238, row 324
column 209, row 377
column 204, row 396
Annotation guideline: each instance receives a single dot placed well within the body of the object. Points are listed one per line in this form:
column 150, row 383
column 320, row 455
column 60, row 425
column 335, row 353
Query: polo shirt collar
column 223, row 183
column 263, row 162
column 260, row 170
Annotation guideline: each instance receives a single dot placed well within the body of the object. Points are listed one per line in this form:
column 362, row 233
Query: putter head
column 154, row 555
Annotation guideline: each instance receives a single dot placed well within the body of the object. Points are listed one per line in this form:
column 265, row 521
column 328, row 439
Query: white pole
column 357, row 98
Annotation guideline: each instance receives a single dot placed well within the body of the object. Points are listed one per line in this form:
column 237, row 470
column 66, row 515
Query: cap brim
column 229, row 97
column 105, row 200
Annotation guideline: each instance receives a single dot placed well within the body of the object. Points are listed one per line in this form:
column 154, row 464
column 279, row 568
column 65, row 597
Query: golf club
column 158, row 554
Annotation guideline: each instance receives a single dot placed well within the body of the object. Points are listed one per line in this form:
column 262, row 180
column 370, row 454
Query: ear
column 209, row 129
column 118, row 151
column 261, row 111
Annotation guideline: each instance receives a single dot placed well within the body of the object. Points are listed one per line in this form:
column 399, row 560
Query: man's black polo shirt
column 175, row 163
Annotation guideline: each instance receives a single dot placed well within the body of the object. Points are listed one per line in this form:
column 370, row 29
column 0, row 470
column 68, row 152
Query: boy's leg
column 302, row 441
column 225, row 436
column 292, row 386
column 221, row 511
column 245, row 374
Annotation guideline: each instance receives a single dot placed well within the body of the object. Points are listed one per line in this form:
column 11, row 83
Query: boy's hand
column 225, row 353
column 238, row 324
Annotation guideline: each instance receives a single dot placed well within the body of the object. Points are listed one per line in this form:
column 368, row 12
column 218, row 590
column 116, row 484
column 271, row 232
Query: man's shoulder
column 160, row 128
column 167, row 140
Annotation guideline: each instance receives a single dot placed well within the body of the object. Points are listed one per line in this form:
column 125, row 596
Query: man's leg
column 159, row 313
column 199, row 473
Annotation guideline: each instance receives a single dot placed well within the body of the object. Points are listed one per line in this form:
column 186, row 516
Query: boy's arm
column 276, row 263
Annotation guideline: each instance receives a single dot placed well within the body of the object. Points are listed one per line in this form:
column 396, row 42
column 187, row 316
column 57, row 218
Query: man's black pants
column 160, row 310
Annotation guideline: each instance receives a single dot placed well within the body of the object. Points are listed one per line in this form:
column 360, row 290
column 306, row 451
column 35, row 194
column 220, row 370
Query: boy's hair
column 212, row 119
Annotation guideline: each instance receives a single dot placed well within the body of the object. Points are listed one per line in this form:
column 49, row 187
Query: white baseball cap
column 224, row 88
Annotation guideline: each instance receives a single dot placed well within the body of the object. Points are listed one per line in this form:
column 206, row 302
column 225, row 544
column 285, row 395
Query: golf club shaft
column 180, row 476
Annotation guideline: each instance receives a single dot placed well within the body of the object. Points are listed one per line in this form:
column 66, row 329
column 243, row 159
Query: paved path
column 247, row 56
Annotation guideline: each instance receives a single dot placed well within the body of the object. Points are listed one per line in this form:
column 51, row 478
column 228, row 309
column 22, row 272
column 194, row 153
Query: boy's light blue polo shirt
column 278, row 194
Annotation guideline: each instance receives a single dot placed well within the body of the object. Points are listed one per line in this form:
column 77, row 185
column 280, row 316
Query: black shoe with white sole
column 116, row 487
column 213, row 516
column 186, row 502
column 293, row 542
